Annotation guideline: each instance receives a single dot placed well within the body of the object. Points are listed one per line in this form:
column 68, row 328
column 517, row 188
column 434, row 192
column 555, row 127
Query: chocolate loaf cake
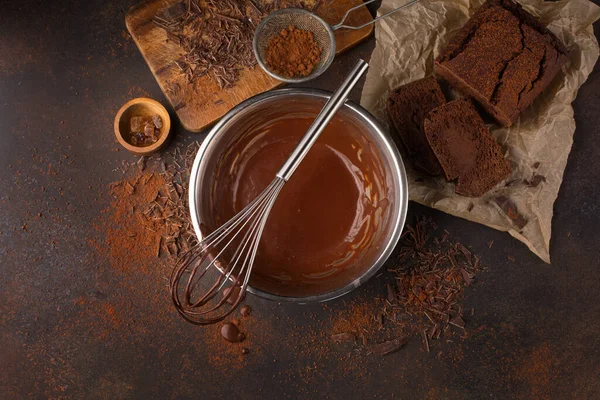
column 503, row 57
column 407, row 106
column 465, row 148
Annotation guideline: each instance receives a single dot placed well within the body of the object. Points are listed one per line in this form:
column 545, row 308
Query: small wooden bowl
column 142, row 107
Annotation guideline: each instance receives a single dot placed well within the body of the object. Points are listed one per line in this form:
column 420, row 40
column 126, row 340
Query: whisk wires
column 198, row 303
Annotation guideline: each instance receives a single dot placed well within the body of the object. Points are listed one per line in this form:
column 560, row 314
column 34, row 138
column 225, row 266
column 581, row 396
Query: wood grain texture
column 202, row 103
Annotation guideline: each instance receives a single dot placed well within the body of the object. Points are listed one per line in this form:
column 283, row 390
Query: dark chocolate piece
column 388, row 347
column 510, row 209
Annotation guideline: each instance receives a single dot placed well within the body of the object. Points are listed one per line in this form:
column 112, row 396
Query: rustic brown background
column 72, row 327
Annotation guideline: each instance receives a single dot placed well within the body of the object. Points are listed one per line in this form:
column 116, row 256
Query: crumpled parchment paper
column 537, row 145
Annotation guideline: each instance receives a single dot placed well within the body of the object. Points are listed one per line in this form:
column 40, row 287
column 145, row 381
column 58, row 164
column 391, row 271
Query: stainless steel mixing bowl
column 227, row 128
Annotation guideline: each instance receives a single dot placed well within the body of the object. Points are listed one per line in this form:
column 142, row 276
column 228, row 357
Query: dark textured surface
column 72, row 327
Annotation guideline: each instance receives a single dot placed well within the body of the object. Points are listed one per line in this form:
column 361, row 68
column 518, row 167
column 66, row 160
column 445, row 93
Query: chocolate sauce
column 326, row 217
column 231, row 333
column 235, row 293
column 245, row 311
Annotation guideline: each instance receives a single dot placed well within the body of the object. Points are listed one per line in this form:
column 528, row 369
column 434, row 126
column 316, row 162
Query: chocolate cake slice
column 503, row 57
column 465, row 148
column 407, row 106
column 490, row 168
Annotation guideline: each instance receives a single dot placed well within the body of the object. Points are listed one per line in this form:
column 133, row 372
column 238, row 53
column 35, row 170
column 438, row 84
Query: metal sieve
column 323, row 34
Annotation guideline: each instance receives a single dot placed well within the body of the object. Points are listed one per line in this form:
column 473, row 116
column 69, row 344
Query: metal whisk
column 198, row 300
column 323, row 35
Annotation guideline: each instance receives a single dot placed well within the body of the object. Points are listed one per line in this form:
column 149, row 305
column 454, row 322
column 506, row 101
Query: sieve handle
column 333, row 104
column 341, row 24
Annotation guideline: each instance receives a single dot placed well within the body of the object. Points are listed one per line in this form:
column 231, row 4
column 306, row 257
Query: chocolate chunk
column 388, row 347
column 137, row 123
column 157, row 121
column 137, row 138
column 149, row 130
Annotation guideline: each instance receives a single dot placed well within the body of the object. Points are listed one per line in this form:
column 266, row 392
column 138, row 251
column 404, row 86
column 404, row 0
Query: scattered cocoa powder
column 357, row 318
column 368, row 325
column 138, row 237
column 130, row 239
column 538, row 370
column 293, row 53
column 225, row 356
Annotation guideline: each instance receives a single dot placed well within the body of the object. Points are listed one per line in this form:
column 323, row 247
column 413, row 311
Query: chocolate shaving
column 215, row 36
column 141, row 163
column 467, row 277
column 510, row 209
column 343, row 337
column 169, row 206
column 391, row 293
column 425, row 340
column 431, row 277
column 465, row 251
column 458, row 322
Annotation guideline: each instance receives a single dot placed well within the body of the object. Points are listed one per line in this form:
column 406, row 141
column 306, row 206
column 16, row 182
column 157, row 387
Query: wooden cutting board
column 200, row 104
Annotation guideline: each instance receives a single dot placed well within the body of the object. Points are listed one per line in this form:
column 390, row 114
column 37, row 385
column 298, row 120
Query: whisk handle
column 356, row 27
column 333, row 104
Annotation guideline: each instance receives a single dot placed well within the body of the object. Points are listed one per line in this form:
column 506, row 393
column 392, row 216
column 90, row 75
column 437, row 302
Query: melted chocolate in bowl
column 331, row 218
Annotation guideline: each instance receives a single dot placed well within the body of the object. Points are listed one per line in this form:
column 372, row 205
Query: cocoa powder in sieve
column 293, row 53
